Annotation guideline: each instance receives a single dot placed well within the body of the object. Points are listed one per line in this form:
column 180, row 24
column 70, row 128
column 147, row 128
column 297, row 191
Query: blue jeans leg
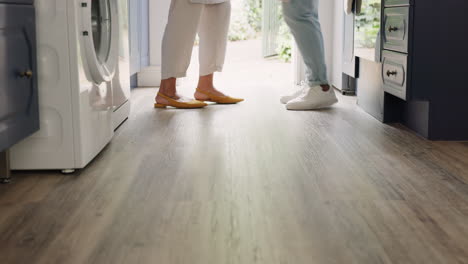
column 302, row 18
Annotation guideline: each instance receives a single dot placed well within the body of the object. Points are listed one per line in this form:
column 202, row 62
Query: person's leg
column 177, row 46
column 302, row 18
column 213, row 33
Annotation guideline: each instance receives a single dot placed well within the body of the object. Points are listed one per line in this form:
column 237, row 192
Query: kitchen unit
column 349, row 63
column 367, row 49
column 19, row 114
column 419, row 68
column 425, row 66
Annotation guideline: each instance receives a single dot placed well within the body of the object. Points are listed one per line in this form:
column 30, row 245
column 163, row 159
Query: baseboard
column 149, row 77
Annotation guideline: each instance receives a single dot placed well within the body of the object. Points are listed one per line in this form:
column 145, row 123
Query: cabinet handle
column 390, row 73
column 26, row 74
column 391, row 29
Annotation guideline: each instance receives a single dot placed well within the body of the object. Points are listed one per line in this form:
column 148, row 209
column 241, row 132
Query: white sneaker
column 286, row 98
column 313, row 98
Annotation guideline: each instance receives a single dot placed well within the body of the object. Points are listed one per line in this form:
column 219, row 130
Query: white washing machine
column 78, row 57
column 121, row 81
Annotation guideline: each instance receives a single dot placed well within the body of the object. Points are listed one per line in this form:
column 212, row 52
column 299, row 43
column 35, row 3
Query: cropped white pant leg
column 186, row 19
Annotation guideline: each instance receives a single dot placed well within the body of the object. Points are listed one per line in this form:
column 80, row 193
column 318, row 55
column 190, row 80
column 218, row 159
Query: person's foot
column 202, row 94
column 313, row 98
column 177, row 101
column 213, row 95
column 207, row 92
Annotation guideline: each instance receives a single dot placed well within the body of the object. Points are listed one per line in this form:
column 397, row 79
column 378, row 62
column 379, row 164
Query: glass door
column 100, row 27
column 271, row 26
column 367, row 30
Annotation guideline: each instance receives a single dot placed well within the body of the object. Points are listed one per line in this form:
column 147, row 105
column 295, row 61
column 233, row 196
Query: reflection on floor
column 245, row 184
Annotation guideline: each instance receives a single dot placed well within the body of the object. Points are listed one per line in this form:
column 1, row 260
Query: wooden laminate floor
column 246, row 184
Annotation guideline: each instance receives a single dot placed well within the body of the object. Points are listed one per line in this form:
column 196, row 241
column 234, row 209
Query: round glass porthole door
column 101, row 19
column 100, row 38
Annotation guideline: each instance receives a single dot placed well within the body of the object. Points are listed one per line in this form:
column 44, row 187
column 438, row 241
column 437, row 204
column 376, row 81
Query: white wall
column 158, row 11
column 139, row 35
column 336, row 75
column 144, row 45
column 327, row 22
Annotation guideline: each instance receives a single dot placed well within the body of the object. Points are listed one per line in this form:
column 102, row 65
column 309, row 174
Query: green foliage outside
column 368, row 24
column 253, row 10
column 246, row 23
column 285, row 40
column 241, row 30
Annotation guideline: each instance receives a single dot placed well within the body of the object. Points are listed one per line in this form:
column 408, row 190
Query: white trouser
column 211, row 21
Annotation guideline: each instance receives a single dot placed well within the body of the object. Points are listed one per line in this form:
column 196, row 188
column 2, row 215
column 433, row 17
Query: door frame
column 270, row 27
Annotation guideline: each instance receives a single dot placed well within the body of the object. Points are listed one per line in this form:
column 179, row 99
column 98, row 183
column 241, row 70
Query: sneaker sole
column 328, row 104
column 318, row 107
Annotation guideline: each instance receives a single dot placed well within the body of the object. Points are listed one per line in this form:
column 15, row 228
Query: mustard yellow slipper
column 219, row 99
column 181, row 103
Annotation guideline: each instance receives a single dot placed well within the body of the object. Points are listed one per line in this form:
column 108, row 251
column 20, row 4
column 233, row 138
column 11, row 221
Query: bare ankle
column 205, row 83
column 168, row 92
column 168, row 87
column 325, row 88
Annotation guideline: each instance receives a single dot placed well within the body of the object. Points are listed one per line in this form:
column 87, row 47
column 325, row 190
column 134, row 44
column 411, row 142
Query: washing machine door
column 100, row 38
